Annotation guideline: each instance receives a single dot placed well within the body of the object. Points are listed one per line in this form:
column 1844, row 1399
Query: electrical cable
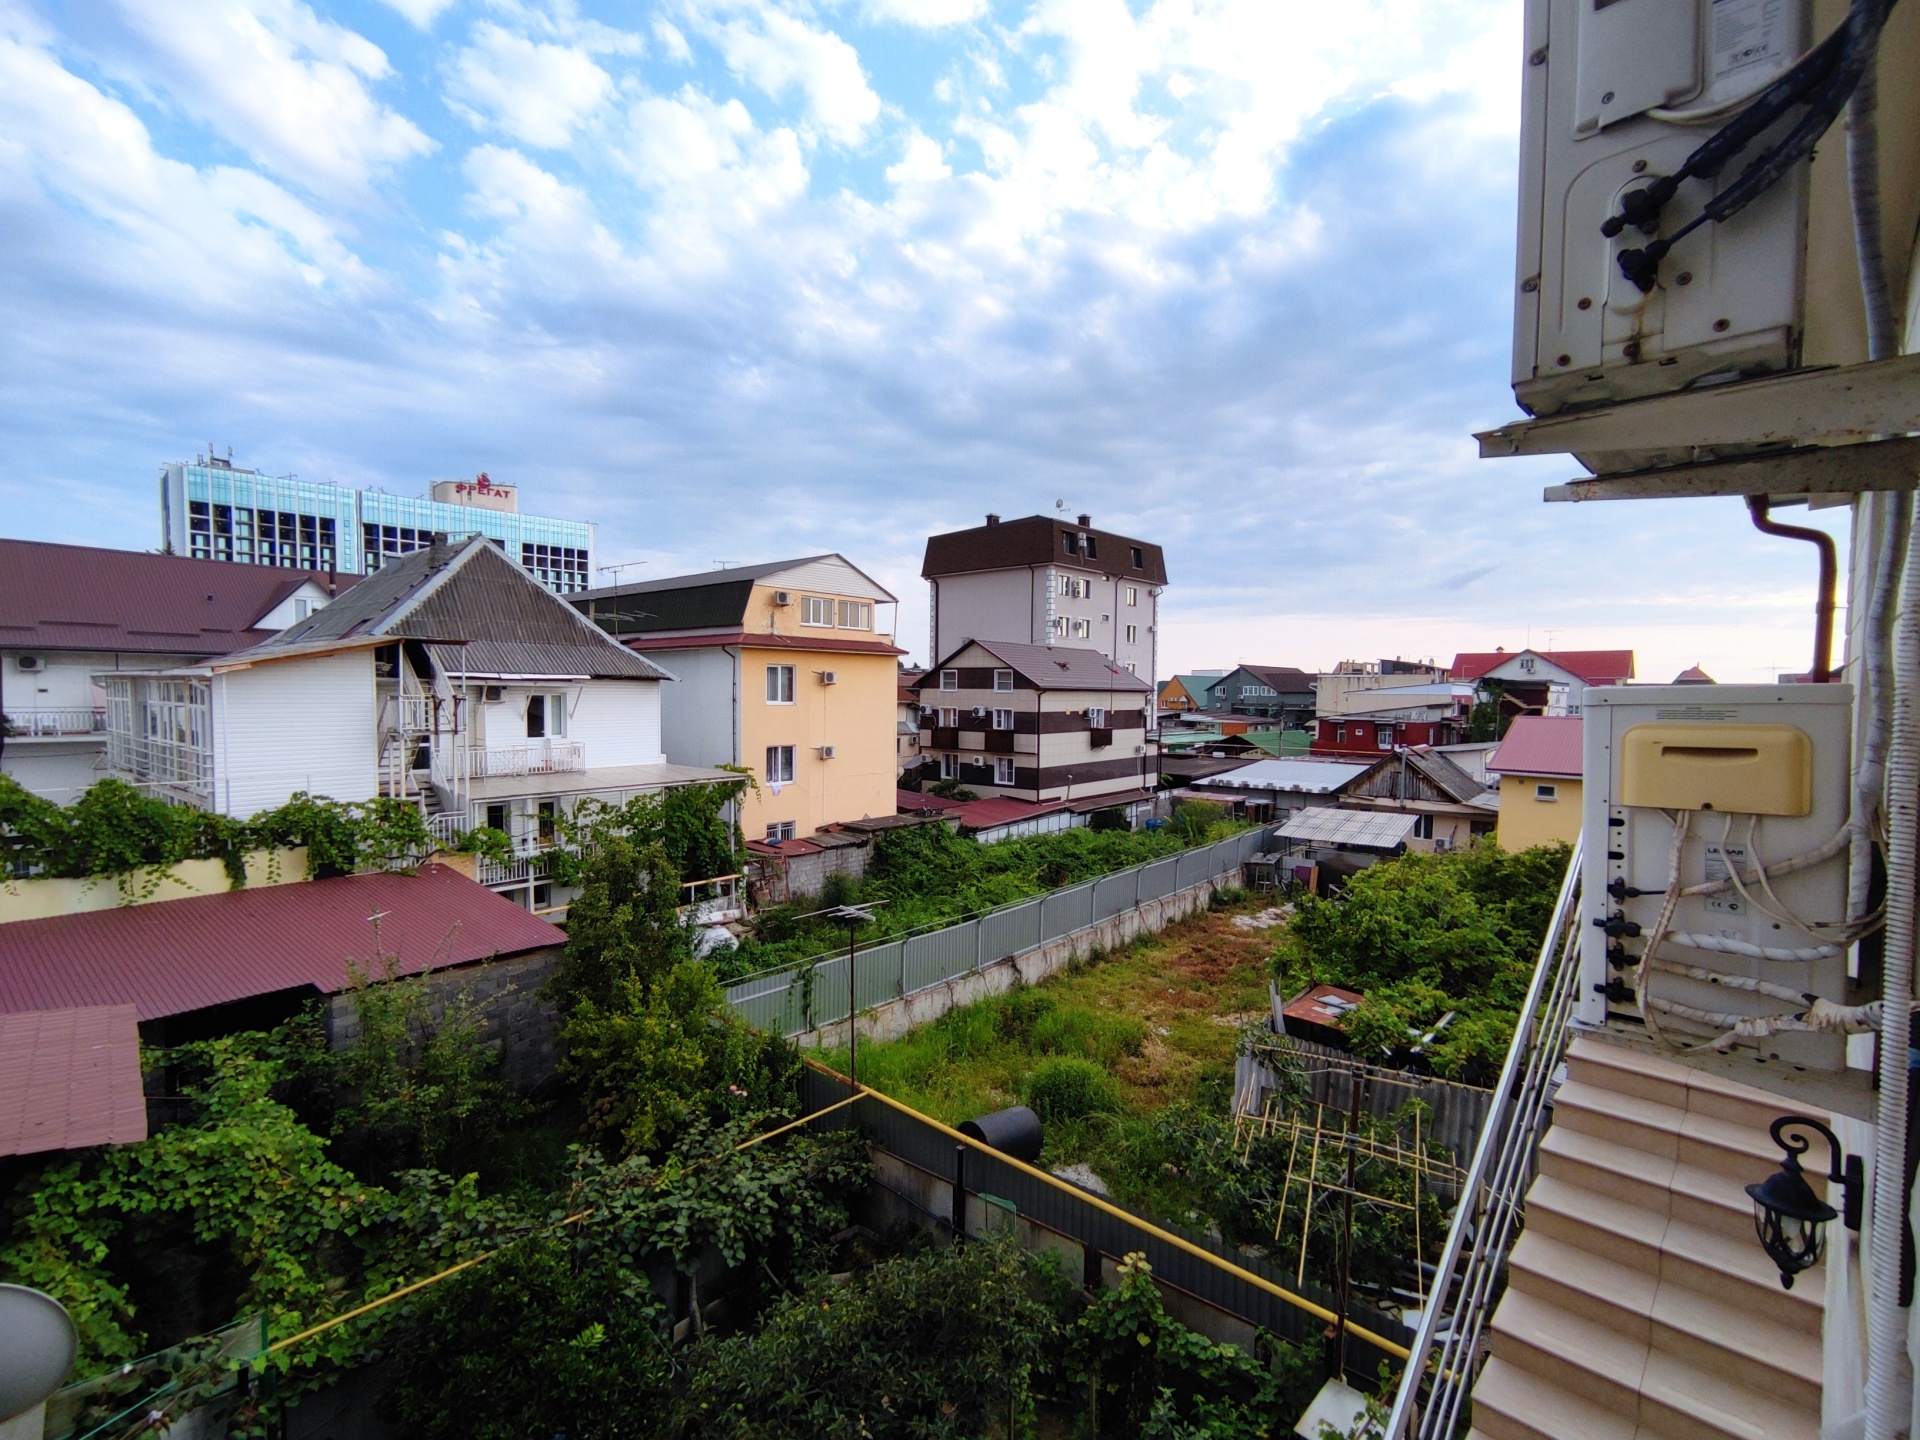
column 1823, row 81
column 1682, row 823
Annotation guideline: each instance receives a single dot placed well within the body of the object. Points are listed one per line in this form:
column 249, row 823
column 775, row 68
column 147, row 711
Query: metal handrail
column 1489, row 1207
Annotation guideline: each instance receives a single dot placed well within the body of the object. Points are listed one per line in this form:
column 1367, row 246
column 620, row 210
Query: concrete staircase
column 1639, row 1303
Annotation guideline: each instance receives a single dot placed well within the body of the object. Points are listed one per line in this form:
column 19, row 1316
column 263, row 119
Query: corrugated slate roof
column 472, row 595
column 70, row 1079
column 1448, row 777
column 1035, row 540
column 183, row 955
column 1368, row 829
column 1050, row 667
column 1540, row 745
column 76, row 597
column 1302, row 776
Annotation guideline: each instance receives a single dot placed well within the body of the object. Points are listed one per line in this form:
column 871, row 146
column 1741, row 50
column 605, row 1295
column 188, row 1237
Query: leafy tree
column 623, row 928
column 1489, row 717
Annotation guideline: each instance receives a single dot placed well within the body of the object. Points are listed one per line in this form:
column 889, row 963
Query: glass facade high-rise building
column 211, row 510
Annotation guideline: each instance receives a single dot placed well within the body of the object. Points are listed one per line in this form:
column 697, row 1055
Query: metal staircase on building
column 1639, row 1304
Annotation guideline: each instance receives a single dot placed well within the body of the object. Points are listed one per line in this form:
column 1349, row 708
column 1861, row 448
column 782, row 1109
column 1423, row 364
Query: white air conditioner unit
column 493, row 694
column 30, row 663
column 826, row 752
column 829, row 677
column 783, row 597
column 979, row 711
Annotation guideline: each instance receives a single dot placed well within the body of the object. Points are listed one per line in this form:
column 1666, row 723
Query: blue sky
column 740, row 279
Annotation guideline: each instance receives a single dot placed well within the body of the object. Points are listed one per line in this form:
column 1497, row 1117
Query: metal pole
column 1355, row 1079
column 959, row 1194
column 853, row 1009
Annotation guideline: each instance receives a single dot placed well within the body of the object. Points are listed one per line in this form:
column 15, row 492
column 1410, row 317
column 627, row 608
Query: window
column 1069, row 542
column 1088, row 544
column 1339, row 734
column 779, row 684
column 1548, row 793
column 384, row 542
column 497, row 817
column 816, row 610
column 1097, row 717
column 779, row 830
column 1139, row 560
column 1003, row 680
column 1133, row 591
column 779, row 764
column 856, row 615
column 949, row 679
column 1058, row 625
column 561, row 568
column 1132, row 669
column 1423, row 828
column 536, row 717
column 950, row 718
column 1386, row 737
column 1082, row 629
column 1133, row 634
column 1003, row 770
column 548, row 816
column 1003, row 719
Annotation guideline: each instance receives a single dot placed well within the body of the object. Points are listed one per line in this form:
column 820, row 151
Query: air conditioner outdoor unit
column 29, row 663
column 826, row 752
column 493, row 694
column 829, row 677
column 978, row 711
column 782, row 597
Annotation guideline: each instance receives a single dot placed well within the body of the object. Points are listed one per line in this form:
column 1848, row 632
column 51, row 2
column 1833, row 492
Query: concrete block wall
column 1028, row 967
column 510, row 997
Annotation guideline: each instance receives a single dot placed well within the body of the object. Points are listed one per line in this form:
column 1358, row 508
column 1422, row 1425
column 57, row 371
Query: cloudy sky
column 740, row 279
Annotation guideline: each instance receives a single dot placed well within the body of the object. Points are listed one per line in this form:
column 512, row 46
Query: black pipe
column 1823, row 606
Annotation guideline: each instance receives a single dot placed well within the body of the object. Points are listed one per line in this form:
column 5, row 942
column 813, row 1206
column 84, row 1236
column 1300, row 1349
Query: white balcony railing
column 537, row 757
column 42, row 724
column 173, row 766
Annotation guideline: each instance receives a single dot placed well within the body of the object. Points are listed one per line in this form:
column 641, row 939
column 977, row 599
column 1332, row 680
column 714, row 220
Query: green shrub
column 1065, row 1087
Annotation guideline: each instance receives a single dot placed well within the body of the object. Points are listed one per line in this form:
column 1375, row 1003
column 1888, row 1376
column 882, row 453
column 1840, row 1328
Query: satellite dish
column 40, row 1349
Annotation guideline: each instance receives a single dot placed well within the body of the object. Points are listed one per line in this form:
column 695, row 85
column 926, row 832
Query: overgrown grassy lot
column 1157, row 1022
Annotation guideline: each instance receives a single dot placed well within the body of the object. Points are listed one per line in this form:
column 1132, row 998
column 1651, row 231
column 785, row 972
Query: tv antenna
column 616, row 569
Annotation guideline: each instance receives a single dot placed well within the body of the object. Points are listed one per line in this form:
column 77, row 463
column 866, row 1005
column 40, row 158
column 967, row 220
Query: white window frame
column 855, row 615
column 1003, row 773
column 1097, row 716
column 816, row 605
column 779, row 830
column 1133, row 594
column 949, row 767
column 1003, row 681
column 780, row 685
column 949, row 679
column 1059, row 624
column 779, row 766
column 950, row 717
column 1003, row 719
column 1083, row 629
column 1546, row 794
column 1133, row 634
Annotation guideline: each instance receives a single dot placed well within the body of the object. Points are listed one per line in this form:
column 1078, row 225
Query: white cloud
column 922, row 162
column 925, row 14
column 421, row 12
column 536, row 92
column 288, row 88
column 712, row 170
column 777, row 53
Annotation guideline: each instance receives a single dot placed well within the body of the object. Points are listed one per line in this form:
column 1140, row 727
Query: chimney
column 1085, row 521
column 993, row 519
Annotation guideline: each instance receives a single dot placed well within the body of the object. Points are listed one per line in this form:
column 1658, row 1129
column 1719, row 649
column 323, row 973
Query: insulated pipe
column 1823, row 605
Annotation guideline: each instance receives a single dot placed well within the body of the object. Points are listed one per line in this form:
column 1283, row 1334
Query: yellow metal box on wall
column 1749, row 769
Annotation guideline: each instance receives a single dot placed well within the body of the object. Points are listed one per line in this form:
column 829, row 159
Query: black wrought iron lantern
column 1789, row 1218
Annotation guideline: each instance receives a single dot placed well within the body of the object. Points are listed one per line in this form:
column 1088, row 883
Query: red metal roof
column 74, row 597
column 1326, row 1005
column 987, row 814
column 70, row 1079
column 760, row 640
column 785, row 849
column 181, row 955
column 1596, row 667
column 1539, row 745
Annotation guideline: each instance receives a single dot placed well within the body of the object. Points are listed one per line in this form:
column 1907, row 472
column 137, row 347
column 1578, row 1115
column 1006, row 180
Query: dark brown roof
column 176, row 956
column 1048, row 667
column 760, row 640
column 1286, row 679
column 76, row 597
column 1035, row 540
column 70, row 1079
column 473, row 596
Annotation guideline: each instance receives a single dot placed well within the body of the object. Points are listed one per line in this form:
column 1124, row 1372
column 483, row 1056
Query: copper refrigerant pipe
column 1758, row 506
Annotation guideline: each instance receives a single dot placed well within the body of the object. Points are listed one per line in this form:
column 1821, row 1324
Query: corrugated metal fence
column 1241, row 1286
column 802, row 997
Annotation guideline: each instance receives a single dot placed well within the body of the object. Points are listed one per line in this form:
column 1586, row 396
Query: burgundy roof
column 1049, row 667
column 1596, row 667
column 74, row 597
column 1011, row 544
column 786, row 849
column 175, row 956
column 1539, row 745
column 985, row 814
column 69, row 1079
column 758, row 640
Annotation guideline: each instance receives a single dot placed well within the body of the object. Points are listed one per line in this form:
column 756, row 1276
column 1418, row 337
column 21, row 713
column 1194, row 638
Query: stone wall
column 1027, row 967
column 510, row 995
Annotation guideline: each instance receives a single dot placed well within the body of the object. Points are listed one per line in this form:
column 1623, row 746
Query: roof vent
column 1085, row 521
column 993, row 519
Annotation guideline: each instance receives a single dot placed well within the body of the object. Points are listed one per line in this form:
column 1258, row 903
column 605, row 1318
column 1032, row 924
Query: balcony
column 177, row 768
column 999, row 742
column 53, row 724
column 1100, row 736
column 943, row 738
column 539, row 757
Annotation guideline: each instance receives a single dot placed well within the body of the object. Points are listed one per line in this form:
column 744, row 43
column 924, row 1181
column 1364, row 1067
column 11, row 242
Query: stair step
column 1616, row 1232
column 1722, row 1335
column 1597, row 1363
column 1656, row 1077
column 1736, row 1270
column 1709, row 1198
column 1577, row 1280
column 1663, row 1131
column 1510, row 1403
column 1679, row 1401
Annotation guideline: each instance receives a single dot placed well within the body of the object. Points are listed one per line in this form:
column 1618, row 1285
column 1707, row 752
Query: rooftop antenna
column 725, row 564
column 616, row 569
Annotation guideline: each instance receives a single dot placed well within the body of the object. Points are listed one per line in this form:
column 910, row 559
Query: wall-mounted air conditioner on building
column 493, row 694
column 783, row 597
column 826, row 752
column 29, row 663
column 979, row 711
column 829, row 677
